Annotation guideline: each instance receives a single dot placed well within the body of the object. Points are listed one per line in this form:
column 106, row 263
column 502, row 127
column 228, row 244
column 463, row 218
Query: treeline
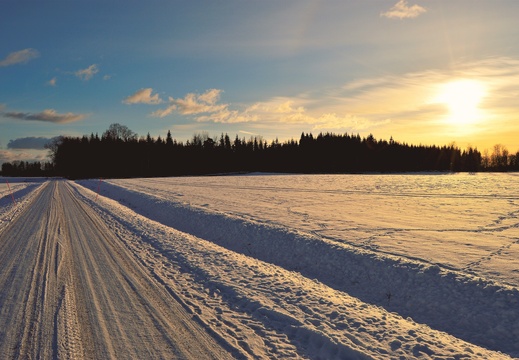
column 119, row 152
column 26, row 168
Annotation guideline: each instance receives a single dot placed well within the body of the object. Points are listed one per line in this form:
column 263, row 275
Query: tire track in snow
column 68, row 290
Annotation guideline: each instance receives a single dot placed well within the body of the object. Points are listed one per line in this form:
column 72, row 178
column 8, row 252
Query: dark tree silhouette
column 120, row 153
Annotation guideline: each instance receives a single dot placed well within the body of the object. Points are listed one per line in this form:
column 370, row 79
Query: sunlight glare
column 462, row 97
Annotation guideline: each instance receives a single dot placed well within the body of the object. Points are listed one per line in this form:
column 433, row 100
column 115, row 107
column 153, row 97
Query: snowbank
column 473, row 309
column 22, row 191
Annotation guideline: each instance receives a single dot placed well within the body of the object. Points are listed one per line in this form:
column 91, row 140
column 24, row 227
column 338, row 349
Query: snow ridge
column 471, row 308
column 23, row 191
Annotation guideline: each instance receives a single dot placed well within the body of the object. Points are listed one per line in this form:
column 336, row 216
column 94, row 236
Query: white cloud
column 402, row 10
column 199, row 103
column 193, row 104
column 22, row 155
column 277, row 110
column 52, row 82
column 48, row 115
column 407, row 100
column 10, row 156
column 390, row 104
column 348, row 122
column 143, row 96
column 284, row 109
column 210, row 96
column 164, row 112
column 20, row 57
column 294, row 111
column 248, row 132
column 88, row 73
column 226, row 116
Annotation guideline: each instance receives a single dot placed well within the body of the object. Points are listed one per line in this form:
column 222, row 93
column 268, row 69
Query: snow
column 331, row 266
column 22, row 190
column 70, row 290
column 324, row 266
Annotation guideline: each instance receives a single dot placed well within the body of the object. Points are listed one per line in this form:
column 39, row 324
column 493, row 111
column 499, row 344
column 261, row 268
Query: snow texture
column 22, row 191
column 331, row 266
column 70, row 290
column 323, row 266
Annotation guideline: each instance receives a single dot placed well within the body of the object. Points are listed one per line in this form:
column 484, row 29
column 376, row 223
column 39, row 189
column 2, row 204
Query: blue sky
column 421, row 71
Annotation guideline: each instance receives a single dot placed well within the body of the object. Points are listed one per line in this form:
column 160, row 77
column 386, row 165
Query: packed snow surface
column 316, row 266
column 335, row 266
column 69, row 289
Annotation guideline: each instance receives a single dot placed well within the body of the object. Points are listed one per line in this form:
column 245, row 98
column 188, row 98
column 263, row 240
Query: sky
column 431, row 72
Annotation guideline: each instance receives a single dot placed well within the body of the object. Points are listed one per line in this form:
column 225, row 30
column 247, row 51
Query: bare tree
column 117, row 131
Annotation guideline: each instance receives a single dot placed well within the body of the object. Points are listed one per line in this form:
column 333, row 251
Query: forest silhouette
column 121, row 153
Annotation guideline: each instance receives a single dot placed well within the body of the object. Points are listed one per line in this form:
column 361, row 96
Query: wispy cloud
column 300, row 111
column 35, row 143
column 193, row 104
column 205, row 107
column 199, row 103
column 88, row 73
column 20, row 57
column 19, row 155
column 143, row 96
column 406, row 102
column 52, row 82
column 48, row 115
column 248, row 132
column 161, row 113
column 7, row 156
column 402, row 10
column 387, row 105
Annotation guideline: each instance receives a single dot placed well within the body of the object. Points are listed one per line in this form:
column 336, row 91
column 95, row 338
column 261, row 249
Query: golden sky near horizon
column 431, row 72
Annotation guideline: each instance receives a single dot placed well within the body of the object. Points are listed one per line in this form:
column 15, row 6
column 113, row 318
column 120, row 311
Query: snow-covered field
column 319, row 266
column 15, row 192
column 332, row 266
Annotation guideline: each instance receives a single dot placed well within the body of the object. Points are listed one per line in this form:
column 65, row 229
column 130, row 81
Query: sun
column 462, row 98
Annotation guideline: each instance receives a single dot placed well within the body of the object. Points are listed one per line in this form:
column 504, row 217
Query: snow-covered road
column 70, row 290
column 228, row 267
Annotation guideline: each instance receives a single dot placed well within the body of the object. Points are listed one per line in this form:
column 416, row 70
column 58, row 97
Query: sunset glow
column 422, row 72
column 462, row 98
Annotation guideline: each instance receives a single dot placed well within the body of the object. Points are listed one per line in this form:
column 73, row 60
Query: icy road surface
column 69, row 289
